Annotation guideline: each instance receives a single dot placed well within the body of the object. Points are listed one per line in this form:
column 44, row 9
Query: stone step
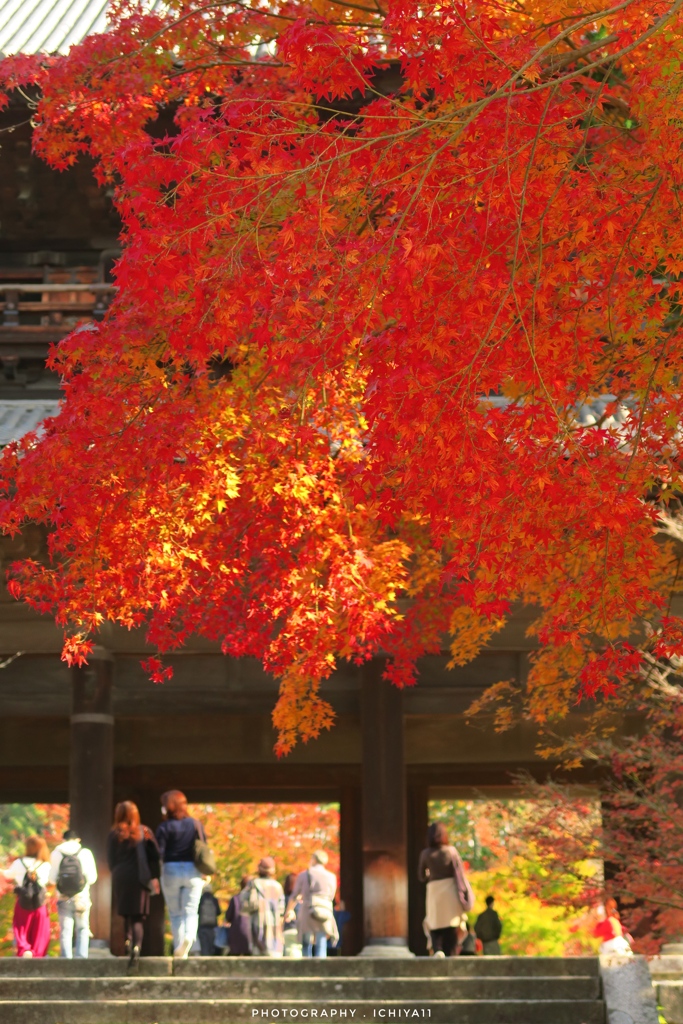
column 340, row 990
column 261, row 967
column 379, row 967
column 670, row 998
column 235, row 1011
column 311, row 989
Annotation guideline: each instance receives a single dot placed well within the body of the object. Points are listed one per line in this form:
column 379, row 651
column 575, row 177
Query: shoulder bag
column 204, row 859
column 320, row 908
column 462, row 885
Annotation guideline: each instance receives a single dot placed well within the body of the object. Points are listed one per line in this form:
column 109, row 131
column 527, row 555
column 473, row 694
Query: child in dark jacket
column 209, row 912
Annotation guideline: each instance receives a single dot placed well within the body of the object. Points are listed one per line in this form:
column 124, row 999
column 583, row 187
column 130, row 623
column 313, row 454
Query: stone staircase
column 226, row 990
column 667, row 979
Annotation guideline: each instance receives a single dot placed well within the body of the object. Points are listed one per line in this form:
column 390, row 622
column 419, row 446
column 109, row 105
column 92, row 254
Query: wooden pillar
column 91, row 774
column 351, row 867
column 149, row 805
column 418, row 821
column 385, row 880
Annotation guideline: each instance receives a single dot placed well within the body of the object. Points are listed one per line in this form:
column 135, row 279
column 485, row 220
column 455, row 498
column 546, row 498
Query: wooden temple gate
column 103, row 733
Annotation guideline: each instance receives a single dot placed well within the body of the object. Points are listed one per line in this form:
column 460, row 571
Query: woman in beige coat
column 264, row 901
column 315, row 889
column 449, row 894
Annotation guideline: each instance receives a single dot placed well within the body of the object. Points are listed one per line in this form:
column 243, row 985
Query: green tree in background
column 16, row 822
column 492, row 837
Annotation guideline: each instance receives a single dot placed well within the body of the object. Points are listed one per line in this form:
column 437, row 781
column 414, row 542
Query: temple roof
column 19, row 416
column 50, row 26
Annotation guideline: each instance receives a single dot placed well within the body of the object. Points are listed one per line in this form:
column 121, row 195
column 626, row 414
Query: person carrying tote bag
column 315, row 890
column 186, row 860
column 204, row 859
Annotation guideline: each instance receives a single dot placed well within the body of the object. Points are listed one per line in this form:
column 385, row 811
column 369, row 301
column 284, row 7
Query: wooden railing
column 35, row 315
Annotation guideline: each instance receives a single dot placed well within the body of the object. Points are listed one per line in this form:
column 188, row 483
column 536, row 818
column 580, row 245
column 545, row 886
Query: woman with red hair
column 133, row 858
column 31, row 922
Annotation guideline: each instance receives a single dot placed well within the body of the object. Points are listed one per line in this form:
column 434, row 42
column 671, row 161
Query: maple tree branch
column 588, row 19
column 369, row 274
column 270, row 63
column 656, row 27
column 358, row 7
column 555, row 61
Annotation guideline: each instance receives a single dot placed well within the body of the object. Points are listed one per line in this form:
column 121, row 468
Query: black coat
column 489, row 926
column 131, row 899
column 240, row 927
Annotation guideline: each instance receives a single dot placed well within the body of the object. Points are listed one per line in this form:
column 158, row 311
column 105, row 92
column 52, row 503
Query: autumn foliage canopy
column 396, row 337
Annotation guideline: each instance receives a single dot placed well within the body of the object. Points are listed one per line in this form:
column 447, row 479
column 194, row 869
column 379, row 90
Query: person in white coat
column 73, row 871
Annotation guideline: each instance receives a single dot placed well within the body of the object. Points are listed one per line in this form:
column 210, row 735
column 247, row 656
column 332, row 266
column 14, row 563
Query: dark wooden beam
column 34, row 784
column 226, row 782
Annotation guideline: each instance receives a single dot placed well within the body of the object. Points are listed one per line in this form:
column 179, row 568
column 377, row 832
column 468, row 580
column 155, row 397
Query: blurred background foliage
column 495, row 838
column 241, row 834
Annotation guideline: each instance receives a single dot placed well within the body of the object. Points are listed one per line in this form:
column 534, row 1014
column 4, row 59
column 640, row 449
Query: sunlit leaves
column 338, row 404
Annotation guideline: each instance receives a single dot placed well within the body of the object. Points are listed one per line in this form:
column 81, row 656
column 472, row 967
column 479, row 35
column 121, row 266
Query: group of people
column 71, row 870
column 141, row 863
column 266, row 918
column 263, row 919
column 450, row 899
column 174, row 860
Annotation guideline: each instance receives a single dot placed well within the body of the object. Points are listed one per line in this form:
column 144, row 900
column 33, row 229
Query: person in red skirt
column 30, row 874
column 609, row 930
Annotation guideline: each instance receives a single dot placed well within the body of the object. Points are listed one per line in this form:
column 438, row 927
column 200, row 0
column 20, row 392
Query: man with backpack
column 73, row 871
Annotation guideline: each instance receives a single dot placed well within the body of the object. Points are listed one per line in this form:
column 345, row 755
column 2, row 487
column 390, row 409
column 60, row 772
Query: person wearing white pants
column 72, row 867
column 181, row 882
column 182, row 886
